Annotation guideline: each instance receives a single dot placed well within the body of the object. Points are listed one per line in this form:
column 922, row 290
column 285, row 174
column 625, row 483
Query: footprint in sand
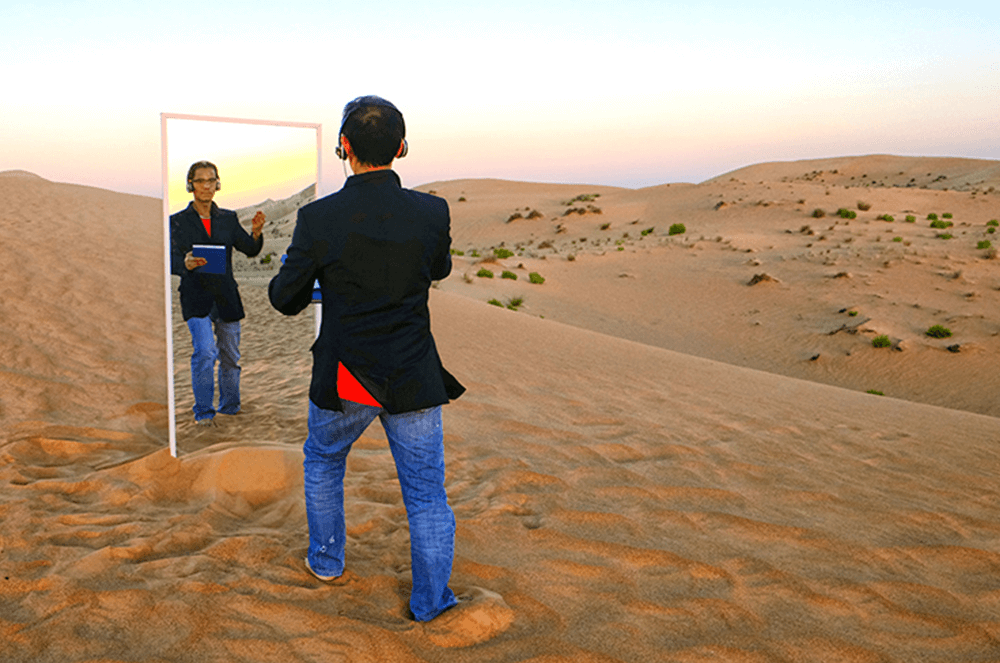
column 479, row 616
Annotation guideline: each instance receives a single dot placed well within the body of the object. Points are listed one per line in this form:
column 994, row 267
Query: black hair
column 375, row 131
column 201, row 164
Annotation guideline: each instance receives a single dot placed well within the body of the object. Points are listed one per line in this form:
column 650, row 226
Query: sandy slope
column 616, row 501
column 689, row 292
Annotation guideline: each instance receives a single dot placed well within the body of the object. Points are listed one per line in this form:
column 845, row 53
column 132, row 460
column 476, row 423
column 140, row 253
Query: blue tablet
column 215, row 254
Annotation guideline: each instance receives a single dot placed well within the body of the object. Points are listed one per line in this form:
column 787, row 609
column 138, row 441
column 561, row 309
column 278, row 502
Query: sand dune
column 623, row 493
column 688, row 292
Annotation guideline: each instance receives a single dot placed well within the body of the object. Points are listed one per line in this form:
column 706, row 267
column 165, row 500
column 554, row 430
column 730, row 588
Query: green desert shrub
column 884, row 217
column 676, row 229
column 991, row 230
column 938, row 223
column 502, row 253
column 932, row 217
column 456, row 252
column 647, row 231
column 897, row 239
column 910, row 218
column 583, row 198
column 947, row 215
column 484, row 273
column 605, row 226
column 474, row 253
column 937, row 331
column 945, row 236
column 818, row 213
column 993, row 222
column 496, row 302
column 535, row 277
column 845, row 213
column 881, row 342
column 863, row 206
column 514, row 303
column 876, row 392
column 507, row 274
column 984, row 244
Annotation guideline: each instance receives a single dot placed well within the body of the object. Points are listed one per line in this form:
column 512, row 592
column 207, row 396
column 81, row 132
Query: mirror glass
column 264, row 166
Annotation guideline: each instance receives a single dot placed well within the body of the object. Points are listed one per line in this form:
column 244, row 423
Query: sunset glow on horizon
column 556, row 91
column 255, row 161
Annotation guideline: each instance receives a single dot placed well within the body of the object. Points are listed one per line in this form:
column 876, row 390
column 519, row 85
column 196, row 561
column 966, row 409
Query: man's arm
column 290, row 291
column 176, row 253
column 244, row 242
column 441, row 265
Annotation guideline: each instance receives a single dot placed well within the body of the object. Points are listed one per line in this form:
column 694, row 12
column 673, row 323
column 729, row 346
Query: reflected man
column 375, row 248
column 209, row 298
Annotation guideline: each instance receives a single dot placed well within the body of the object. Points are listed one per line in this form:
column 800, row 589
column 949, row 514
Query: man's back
column 375, row 248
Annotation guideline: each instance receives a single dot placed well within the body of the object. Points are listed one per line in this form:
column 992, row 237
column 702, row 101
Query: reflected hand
column 258, row 224
column 190, row 262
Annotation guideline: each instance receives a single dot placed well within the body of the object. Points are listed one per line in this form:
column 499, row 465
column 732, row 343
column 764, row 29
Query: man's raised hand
column 258, row 223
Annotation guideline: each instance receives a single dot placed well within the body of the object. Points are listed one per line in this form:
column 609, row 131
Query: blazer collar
column 192, row 210
column 196, row 218
column 374, row 177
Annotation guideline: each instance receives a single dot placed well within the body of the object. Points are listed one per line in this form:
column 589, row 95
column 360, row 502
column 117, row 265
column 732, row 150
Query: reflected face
column 204, row 182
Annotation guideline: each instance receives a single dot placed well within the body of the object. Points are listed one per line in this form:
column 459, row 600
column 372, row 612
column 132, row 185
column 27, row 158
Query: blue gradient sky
column 629, row 93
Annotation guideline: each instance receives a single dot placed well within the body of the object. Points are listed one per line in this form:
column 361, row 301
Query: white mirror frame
column 164, row 117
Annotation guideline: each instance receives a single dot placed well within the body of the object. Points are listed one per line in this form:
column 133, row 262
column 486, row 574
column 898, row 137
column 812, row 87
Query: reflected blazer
column 200, row 292
column 375, row 248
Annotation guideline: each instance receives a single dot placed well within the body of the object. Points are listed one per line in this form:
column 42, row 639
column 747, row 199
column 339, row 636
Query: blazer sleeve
column 244, row 241
column 176, row 252
column 441, row 262
column 290, row 291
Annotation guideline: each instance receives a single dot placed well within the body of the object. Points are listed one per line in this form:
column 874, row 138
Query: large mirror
column 265, row 167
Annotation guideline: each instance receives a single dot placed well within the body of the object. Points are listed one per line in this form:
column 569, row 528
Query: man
column 208, row 298
column 375, row 248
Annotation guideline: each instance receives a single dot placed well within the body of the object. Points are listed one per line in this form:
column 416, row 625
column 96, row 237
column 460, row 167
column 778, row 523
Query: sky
column 631, row 93
column 259, row 161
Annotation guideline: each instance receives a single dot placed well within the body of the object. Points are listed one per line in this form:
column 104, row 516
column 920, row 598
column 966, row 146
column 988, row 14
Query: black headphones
column 202, row 164
column 359, row 103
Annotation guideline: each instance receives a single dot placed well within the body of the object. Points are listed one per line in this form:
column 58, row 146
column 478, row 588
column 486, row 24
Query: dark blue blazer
column 200, row 292
column 375, row 248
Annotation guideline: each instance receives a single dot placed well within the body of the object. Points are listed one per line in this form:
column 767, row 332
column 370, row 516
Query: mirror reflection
column 232, row 190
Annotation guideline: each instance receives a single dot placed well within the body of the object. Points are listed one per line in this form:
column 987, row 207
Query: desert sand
column 655, row 460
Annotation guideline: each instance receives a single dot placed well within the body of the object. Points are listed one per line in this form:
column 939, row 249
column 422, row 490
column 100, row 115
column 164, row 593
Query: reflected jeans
column 416, row 440
column 224, row 347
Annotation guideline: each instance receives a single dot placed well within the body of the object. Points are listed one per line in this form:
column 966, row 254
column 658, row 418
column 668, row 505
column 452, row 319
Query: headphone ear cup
column 402, row 152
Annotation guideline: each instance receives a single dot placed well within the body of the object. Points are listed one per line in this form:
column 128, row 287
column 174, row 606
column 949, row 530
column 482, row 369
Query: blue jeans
column 416, row 440
column 224, row 346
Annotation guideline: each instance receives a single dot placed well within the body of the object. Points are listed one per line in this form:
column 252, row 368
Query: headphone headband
column 365, row 101
column 202, row 164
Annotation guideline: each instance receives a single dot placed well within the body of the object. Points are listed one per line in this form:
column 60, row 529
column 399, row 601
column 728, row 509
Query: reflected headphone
column 202, row 164
column 362, row 102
